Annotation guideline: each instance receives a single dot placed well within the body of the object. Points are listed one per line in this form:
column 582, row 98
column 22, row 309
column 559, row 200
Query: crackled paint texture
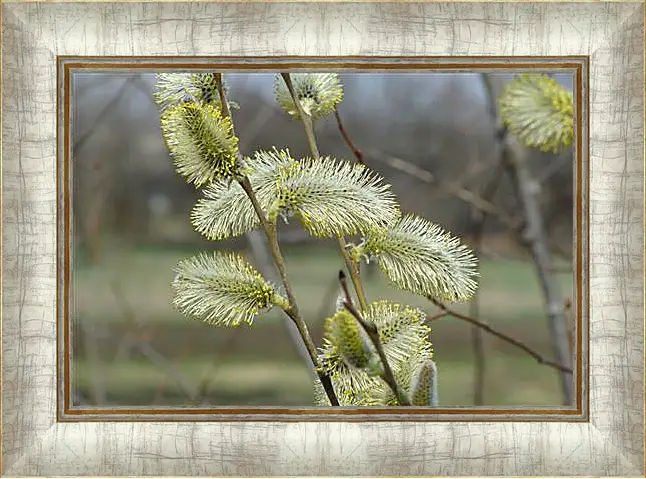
column 610, row 444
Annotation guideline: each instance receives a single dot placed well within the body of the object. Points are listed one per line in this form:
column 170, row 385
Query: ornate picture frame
column 602, row 435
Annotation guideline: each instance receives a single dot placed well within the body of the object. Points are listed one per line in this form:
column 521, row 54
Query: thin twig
column 452, row 188
column 355, row 150
column 373, row 333
column 105, row 111
column 437, row 316
column 353, row 269
column 478, row 343
column 514, row 223
column 351, row 265
column 270, row 231
column 328, row 298
column 425, row 175
column 505, row 337
column 224, row 105
column 258, row 243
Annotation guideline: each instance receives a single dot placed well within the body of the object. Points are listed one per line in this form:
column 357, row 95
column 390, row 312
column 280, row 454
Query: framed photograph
column 323, row 239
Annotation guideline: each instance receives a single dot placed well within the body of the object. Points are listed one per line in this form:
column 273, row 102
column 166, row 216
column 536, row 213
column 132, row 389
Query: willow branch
column 270, row 232
column 505, row 337
column 451, row 188
column 353, row 267
column 224, row 105
column 373, row 333
column 348, row 141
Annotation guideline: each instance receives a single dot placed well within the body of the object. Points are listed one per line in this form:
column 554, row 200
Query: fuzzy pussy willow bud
column 539, row 111
column 174, row 88
column 354, row 346
column 318, row 93
column 201, row 142
column 423, row 388
column 421, row 257
column 222, row 289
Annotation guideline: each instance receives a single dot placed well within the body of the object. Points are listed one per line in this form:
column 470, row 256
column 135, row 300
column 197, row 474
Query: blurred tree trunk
column 526, row 189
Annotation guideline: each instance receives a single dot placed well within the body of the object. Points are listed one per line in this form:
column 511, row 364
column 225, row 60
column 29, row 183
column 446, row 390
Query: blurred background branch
column 527, row 189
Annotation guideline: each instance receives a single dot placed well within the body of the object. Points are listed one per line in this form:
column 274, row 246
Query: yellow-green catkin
column 201, row 142
column 539, row 111
column 318, row 93
column 423, row 388
column 351, row 341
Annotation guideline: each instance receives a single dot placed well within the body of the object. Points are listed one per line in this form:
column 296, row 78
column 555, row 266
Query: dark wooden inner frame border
column 577, row 65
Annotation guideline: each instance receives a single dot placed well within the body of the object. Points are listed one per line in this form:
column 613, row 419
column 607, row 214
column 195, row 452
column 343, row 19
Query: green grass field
column 127, row 295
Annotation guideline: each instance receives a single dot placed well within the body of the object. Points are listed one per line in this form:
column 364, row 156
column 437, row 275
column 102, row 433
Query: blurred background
column 431, row 135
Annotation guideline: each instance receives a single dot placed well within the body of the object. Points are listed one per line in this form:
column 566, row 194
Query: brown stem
column 270, row 232
column 437, row 316
column 292, row 311
column 355, row 151
column 451, row 188
column 353, row 269
column 505, row 337
column 306, row 119
column 373, row 333
column 330, row 298
column 224, row 105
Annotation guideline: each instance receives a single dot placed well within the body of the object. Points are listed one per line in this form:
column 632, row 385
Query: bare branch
column 505, row 337
column 373, row 333
column 355, row 151
column 454, row 189
column 105, row 111
column 274, row 249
